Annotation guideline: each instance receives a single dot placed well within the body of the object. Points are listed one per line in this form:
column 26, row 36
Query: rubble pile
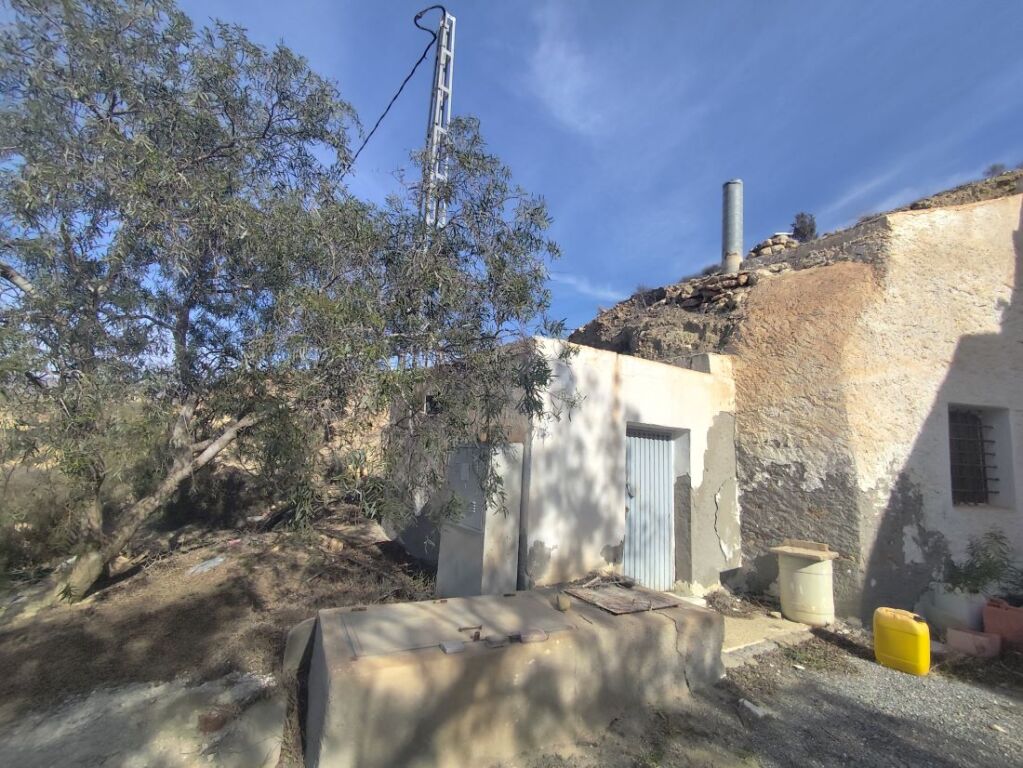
column 704, row 294
column 772, row 246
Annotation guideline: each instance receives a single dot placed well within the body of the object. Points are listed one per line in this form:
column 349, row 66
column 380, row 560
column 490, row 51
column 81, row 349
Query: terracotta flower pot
column 984, row 644
column 1000, row 618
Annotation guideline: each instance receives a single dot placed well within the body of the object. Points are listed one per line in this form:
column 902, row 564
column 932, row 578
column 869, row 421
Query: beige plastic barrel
column 806, row 582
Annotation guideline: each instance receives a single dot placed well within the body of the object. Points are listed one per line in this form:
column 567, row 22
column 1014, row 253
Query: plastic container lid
column 811, row 550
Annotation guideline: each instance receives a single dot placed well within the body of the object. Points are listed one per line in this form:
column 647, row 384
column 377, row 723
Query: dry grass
column 162, row 622
column 820, row 655
column 1004, row 672
column 738, row 606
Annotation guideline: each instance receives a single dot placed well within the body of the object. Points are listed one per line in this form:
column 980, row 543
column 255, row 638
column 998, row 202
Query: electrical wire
column 412, row 72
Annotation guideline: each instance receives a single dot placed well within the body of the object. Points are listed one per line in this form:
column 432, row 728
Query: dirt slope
column 165, row 622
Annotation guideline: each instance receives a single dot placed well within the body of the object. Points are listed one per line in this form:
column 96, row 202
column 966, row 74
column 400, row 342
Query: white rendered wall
column 946, row 330
column 575, row 509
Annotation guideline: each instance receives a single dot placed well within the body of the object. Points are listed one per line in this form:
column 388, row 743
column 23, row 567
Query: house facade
column 864, row 390
column 879, row 388
column 637, row 478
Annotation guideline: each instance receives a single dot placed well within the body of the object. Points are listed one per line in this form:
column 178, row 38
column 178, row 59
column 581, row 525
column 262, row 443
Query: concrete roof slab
column 386, row 629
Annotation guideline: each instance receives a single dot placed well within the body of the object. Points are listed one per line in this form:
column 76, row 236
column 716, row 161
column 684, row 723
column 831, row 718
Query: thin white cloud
column 564, row 77
column 929, row 186
column 864, row 190
column 584, row 287
column 877, row 194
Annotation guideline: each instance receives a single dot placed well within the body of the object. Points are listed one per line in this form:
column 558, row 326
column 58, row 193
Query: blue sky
column 628, row 116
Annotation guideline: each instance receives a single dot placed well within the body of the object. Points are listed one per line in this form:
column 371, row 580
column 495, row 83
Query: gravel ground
column 874, row 716
column 827, row 703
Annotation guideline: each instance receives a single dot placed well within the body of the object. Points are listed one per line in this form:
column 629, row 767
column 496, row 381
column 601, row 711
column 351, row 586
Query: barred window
column 972, row 455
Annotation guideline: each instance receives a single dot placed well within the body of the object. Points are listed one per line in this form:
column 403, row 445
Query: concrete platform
column 383, row 692
column 748, row 637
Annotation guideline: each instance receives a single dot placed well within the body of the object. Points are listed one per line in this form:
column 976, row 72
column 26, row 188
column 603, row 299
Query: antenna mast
column 435, row 170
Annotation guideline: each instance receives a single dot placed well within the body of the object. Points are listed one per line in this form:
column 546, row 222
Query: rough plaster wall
column 843, row 379
column 794, row 452
column 947, row 329
column 845, row 365
column 683, row 500
column 715, row 535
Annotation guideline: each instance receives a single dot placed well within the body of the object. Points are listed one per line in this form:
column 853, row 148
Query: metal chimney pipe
column 731, row 227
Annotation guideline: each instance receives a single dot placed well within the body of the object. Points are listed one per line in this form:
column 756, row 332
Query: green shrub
column 988, row 562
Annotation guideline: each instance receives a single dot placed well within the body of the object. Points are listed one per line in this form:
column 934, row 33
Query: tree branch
column 226, row 438
column 15, row 278
column 142, row 316
column 89, row 565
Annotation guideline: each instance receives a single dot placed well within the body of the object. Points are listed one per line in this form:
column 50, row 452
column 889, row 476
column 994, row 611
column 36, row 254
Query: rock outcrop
column 672, row 323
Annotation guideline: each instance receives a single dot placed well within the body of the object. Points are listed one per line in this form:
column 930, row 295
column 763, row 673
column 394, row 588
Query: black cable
column 394, row 98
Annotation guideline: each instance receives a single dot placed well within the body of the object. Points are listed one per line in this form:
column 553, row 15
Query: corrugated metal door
column 649, row 525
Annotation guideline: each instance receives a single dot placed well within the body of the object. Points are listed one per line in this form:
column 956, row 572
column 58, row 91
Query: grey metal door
column 649, row 556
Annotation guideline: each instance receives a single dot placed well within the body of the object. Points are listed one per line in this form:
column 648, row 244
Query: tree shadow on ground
column 73, row 651
column 168, row 622
column 811, row 724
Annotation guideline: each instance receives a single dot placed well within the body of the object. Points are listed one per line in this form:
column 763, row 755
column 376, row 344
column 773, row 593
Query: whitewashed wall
column 575, row 505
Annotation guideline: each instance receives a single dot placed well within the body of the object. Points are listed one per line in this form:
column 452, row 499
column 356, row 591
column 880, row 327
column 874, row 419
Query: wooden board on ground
column 618, row 599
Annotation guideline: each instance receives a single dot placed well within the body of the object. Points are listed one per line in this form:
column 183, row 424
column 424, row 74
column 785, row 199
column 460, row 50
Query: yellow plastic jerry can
column 902, row 641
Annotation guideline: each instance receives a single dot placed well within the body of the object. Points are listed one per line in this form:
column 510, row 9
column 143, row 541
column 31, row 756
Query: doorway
column 649, row 555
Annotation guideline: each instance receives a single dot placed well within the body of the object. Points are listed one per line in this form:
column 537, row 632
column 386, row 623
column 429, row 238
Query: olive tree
column 183, row 271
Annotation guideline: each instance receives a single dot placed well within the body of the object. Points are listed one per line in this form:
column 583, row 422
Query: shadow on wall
column 896, row 573
column 813, row 722
column 574, row 512
column 570, row 469
column 571, row 688
column 420, row 538
column 575, row 522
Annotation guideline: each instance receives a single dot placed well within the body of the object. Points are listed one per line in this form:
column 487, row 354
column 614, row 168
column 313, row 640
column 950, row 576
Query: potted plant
column 1003, row 615
column 958, row 602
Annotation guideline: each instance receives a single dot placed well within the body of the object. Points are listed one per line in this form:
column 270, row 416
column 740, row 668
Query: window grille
column 971, row 452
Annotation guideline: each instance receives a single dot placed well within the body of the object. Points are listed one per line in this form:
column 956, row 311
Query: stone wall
column 775, row 245
column 673, row 323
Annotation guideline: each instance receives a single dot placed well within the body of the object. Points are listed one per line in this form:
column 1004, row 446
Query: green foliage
column 33, row 517
column 178, row 252
column 804, row 227
column 995, row 169
column 988, row 562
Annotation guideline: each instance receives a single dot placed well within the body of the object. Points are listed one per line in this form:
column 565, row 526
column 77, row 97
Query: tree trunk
column 181, row 433
column 89, row 566
column 92, row 519
column 92, row 522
